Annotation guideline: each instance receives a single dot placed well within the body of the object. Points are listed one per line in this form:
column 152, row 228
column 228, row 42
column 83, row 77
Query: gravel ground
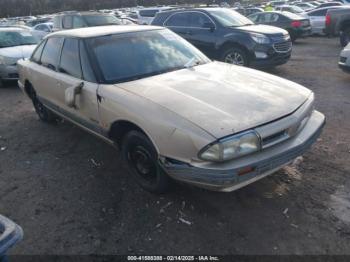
column 70, row 193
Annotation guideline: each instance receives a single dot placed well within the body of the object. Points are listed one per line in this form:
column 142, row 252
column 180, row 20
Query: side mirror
column 70, row 94
column 210, row 26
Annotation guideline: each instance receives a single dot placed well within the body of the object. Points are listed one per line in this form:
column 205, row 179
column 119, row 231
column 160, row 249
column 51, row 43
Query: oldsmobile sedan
column 175, row 114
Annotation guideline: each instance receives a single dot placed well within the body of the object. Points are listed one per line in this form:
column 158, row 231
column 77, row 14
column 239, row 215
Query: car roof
column 88, row 32
column 11, row 29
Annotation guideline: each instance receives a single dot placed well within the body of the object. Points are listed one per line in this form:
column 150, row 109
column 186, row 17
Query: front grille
column 13, row 75
column 283, row 47
column 342, row 59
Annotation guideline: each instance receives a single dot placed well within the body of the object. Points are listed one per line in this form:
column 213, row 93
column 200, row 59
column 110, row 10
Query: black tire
column 235, row 56
column 44, row 114
column 344, row 37
column 142, row 160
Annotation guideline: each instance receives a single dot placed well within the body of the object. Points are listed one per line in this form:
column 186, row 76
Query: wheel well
column 120, row 128
column 345, row 25
column 29, row 89
column 233, row 44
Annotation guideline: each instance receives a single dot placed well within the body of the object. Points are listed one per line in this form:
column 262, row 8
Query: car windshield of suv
column 9, row 39
column 101, row 20
column 230, row 18
column 132, row 56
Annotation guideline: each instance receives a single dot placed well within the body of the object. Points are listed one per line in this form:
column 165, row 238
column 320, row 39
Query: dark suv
column 223, row 34
column 70, row 20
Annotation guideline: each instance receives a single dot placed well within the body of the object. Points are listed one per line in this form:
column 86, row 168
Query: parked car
column 37, row 21
column 71, row 20
column 277, row 3
column 305, row 6
column 329, row 4
column 15, row 44
column 317, row 19
column 42, row 30
column 344, row 61
column 297, row 26
column 338, row 23
column 252, row 10
column 290, row 8
column 173, row 112
column 223, row 34
column 145, row 16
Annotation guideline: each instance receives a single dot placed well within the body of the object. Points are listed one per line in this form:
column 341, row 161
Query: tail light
column 328, row 20
column 296, row 24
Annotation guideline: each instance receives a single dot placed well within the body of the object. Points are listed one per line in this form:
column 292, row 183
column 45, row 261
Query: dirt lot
column 71, row 195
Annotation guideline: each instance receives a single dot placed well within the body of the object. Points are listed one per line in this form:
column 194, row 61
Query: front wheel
column 235, row 56
column 44, row 114
column 345, row 37
column 142, row 160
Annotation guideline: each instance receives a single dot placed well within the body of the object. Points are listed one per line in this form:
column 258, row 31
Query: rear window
column 100, row 20
column 292, row 16
column 148, row 13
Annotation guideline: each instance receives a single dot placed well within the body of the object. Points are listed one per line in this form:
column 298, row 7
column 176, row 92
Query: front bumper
column 276, row 53
column 226, row 177
column 8, row 72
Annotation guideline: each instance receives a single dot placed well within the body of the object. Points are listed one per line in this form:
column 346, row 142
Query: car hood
column 222, row 99
column 17, row 52
column 263, row 29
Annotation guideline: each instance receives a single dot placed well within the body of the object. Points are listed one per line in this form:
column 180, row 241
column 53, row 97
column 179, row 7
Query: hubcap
column 142, row 163
column 235, row 58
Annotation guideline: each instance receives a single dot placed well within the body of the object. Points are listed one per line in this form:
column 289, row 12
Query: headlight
column 260, row 39
column 231, row 147
column 8, row 60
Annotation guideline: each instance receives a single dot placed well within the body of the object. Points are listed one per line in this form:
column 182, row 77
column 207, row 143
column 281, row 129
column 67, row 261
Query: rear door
column 74, row 70
column 179, row 23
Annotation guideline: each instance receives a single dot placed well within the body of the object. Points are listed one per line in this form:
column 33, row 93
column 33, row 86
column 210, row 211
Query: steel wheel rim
column 235, row 58
column 142, row 164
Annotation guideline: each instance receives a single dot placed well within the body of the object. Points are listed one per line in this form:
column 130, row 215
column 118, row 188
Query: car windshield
column 16, row 38
column 136, row 55
column 229, row 18
column 101, row 20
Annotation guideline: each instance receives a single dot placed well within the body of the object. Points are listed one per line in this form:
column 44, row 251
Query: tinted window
column 99, row 20
column 254, row 18
column 78, row 22
column 70, row 61
column 148, row 13
column 319, row 13
column 67, row 22
column 57, row 22
column 88, row 73
column 268, row 18
column 131, row 56
column 179, row 19
column 51, row 52
column 199, row 20
column 37, row 53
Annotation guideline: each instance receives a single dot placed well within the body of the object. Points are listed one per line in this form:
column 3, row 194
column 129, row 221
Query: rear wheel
column 345, row 37
column 142, row 160
column 235, row 56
